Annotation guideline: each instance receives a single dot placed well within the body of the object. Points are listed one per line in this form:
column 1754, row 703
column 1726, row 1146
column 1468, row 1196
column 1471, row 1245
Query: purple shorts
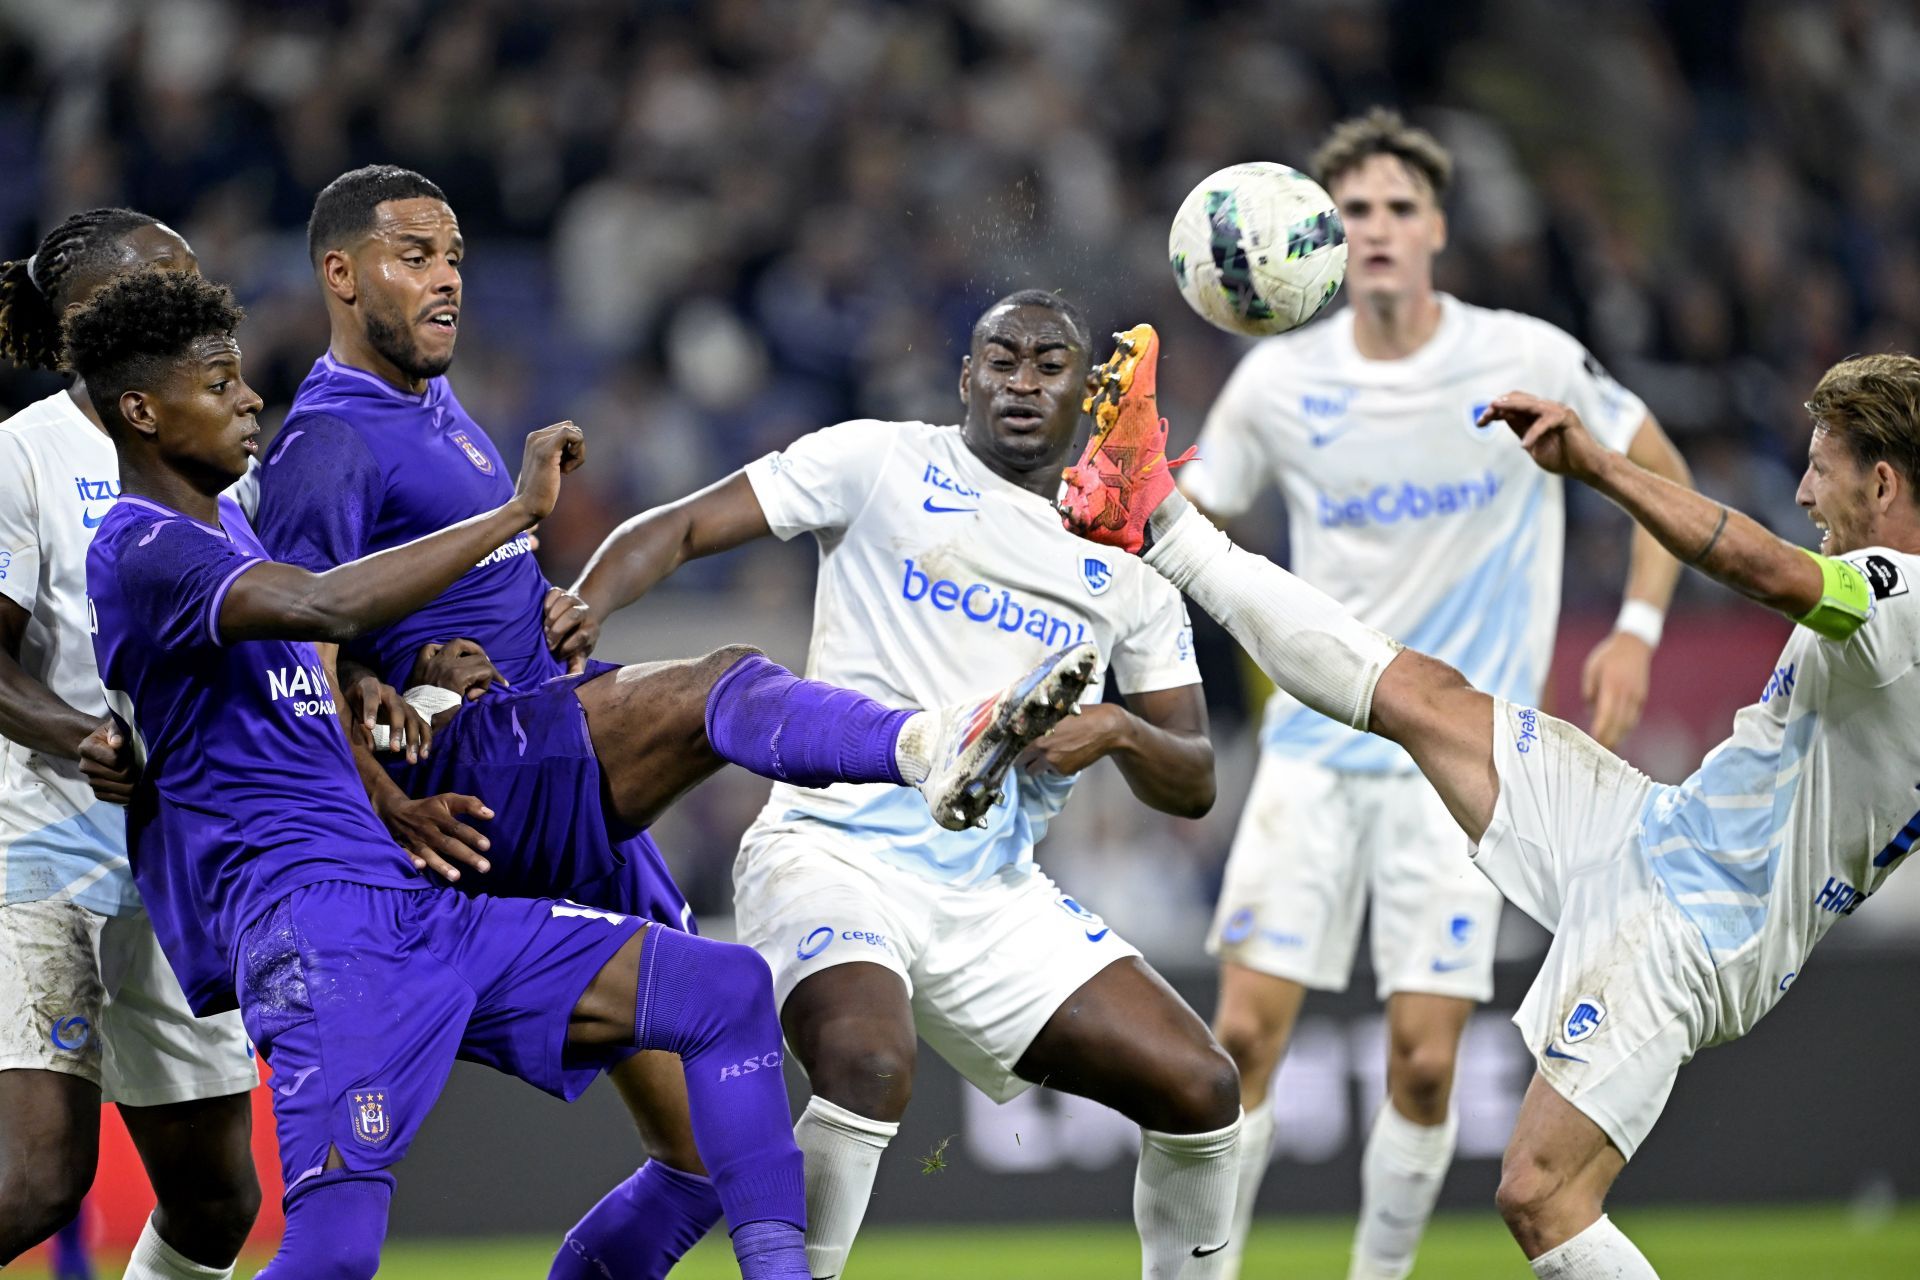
column 526, row 753
column 361, row 998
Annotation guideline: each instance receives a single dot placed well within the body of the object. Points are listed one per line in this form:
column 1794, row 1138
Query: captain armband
column 1846, row 600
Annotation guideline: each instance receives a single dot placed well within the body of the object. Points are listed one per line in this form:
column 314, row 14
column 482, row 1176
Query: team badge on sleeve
column 1884, row 576
column 1096, row 574
column 473, row 452
column 370, row 1123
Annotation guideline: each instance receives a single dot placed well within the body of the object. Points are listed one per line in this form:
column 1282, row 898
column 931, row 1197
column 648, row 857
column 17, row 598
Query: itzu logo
column 370, row 1124
column 1588, row 1013
column 814, row 943
column 70, row 1034
column 473, row 451
column 1096, row 574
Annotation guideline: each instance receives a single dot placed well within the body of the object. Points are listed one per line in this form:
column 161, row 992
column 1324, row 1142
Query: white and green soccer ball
column 1258, row 248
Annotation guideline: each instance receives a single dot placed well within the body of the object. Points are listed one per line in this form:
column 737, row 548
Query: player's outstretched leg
column 1553, row 1183
column 660, row 728
column 1126, row 1040
column 712, row 1004
column 1121, row 494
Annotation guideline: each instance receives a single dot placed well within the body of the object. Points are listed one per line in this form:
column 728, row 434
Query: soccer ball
column 1258, row 248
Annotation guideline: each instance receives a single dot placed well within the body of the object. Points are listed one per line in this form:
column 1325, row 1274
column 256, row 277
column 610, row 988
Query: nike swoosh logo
column 299, row 1078
column 1198, row 1252
column 928, row 505
column 91, row 520
column 1565, row 1057
column 1095, row 937
column 1321, row 439
column 1448, row 966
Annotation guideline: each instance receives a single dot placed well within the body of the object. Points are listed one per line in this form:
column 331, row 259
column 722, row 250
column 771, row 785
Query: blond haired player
column 1435, row 529
column 1680, row 914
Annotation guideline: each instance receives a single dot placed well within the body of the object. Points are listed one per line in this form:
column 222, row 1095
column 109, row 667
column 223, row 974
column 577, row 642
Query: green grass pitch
column 1786, row 1243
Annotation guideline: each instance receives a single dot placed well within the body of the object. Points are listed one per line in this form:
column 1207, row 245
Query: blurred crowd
column 703, row 227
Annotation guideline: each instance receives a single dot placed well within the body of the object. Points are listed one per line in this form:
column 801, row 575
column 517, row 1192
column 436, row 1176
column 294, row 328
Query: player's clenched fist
column 551, row 452
column 1550, row 432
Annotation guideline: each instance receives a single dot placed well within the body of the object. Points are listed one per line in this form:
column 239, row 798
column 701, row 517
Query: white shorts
column 95, row 998
column 985, row 965
column 1314, row 843
column 1625, row 995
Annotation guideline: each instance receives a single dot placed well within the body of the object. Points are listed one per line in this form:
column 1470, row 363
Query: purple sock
column 335, row 1224
column 764, row 718
column 640, row 1228
column 712, row 1003
column 771, row 1251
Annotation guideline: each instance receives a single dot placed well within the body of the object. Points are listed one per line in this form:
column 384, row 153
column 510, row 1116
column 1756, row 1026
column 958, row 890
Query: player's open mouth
column 445, row 320
column 1378, row 261
column 1021, row 415
column 251, row 441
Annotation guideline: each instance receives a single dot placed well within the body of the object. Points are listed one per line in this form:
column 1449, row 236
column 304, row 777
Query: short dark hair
column 1082, row 332
column 128, row 334
column 35, row 290
column 343, row 210
column 1382, row 131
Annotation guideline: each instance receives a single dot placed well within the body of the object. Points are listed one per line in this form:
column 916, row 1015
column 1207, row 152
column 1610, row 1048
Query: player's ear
column 966, row 376
column 1439, row 230
column 137, row 410
column 336, row 275
column 1888, row 487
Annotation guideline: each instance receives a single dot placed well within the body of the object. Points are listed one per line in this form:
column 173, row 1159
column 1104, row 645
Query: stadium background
column 701, row 229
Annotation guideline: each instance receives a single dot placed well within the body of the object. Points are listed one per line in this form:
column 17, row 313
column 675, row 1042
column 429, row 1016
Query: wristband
column 1638, row 618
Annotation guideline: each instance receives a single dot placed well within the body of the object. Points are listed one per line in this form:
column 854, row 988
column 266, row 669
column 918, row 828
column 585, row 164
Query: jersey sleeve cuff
column 220, row 596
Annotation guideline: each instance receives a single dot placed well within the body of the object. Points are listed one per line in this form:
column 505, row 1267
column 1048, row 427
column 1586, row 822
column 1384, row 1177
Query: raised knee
column 1204, row 1095
column 724, row 659
column 874, row 1080
column 1525, row 1196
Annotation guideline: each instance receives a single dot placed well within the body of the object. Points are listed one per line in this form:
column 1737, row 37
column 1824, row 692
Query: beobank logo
column 989, row 606
column 1391, row 504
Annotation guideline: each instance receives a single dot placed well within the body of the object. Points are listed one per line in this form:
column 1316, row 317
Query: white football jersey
column 1797, row 817
column 939, row 582
column 1441, row 533
column 58, row 478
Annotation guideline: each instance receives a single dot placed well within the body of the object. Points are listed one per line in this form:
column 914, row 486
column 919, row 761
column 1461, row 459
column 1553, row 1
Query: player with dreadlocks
column 105, row 1017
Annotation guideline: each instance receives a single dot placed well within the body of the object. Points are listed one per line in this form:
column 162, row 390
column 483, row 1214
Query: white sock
column 842, row 1153
column 1400, row 1177
column 1183, row 1201
column 1601, row 1252
column 1305, row 641
column 155, row 1259
column 913, row 749
column 1256, row 1149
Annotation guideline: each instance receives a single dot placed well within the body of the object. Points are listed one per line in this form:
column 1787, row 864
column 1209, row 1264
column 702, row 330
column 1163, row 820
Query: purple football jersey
column 360, row 466
column 249, row 791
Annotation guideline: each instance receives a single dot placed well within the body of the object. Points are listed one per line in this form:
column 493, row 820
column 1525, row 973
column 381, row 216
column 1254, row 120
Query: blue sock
column 712, row 1003
column 71, row 1259
column 640, row 1228
column 764, row 718
column 335, row 1224
column 771, row 1251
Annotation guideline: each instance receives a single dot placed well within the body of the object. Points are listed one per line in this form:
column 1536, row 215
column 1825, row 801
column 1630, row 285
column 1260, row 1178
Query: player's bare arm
column 1727, row 546
column 572, row 627
column 640, row 553
column 1162, row 748
column 281, row 601
column 1617, row 672
column 30, row 713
